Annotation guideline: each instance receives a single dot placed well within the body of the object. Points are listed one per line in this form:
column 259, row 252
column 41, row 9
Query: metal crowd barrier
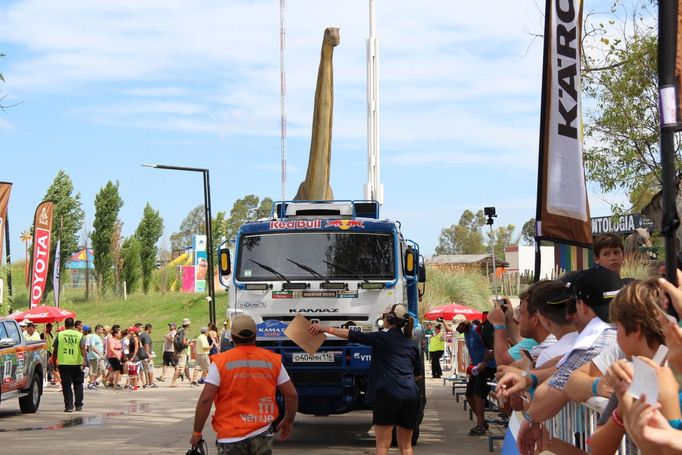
column 576, row 422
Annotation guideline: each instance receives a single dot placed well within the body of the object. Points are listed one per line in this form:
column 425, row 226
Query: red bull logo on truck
column 296, row 224
column 345, row 224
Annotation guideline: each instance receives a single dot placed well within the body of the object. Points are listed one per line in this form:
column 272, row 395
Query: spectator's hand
column 481, row 367
column 314, row 329
column 649, row 429
column 619, row 378
column 509, row 384
column 284, row 428
column 496, row 316
column 504, row 369
column 675, row 293
column 528, row 437
column 604, row 389
column 673, row 339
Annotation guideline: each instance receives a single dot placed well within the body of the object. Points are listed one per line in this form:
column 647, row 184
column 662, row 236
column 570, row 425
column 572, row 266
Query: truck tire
column 30, row 403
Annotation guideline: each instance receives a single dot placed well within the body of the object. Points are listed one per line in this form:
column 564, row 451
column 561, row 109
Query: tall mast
column 373, row 188
column 282, row 100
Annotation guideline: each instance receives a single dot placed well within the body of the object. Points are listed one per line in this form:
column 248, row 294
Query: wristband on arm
column 595, row 385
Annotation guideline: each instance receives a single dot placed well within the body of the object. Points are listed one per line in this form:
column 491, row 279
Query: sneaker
column 478, row 431
column 160, row 379
column 153, row 386
column 79, row 408
column 194, row 384
column 68, row 410
column 201, row 381
column 134, row 388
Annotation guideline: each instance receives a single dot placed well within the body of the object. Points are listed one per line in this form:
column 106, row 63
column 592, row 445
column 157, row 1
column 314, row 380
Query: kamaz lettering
column 296, row 224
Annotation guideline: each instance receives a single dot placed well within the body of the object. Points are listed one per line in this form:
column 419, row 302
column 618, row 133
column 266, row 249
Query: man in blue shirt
column 482, row 372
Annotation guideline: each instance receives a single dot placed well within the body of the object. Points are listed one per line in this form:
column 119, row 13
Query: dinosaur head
column 331, row 36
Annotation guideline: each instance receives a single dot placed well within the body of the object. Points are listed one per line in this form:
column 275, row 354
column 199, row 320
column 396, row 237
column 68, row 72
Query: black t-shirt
column 395, row 362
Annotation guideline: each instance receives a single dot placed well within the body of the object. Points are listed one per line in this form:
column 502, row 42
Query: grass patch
column 465, row 287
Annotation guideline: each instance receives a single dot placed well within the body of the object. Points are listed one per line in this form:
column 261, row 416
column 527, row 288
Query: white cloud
column 5, row 124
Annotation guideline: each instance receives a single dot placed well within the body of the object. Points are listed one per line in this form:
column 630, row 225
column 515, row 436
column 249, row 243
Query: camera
column 489, row 211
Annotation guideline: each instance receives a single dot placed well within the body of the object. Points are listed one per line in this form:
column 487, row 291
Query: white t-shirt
column 213, row 377
column 607, row 357
column 547, row 342
column 560, row 348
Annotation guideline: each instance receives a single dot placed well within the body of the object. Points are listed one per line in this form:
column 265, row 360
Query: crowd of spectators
column 588, row 334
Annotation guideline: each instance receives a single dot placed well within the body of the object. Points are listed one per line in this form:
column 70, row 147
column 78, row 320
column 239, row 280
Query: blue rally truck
column 334, row 262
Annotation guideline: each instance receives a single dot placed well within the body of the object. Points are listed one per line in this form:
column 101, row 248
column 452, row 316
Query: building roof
column 464, row 259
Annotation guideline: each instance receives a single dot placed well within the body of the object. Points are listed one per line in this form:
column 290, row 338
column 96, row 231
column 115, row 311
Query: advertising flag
column 56, row 271
column 563, row 213
column 42, row 233
column 5, row 190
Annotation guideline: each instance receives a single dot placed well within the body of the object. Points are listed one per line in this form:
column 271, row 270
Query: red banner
column 5, row 190
column 42, row 233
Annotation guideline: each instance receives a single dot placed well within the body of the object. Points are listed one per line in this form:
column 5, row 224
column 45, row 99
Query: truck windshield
column 335, row 256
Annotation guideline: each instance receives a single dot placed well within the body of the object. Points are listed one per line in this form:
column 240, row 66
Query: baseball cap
column 186, row 321
column 459, row 318
column 398, row 310
column 86, row 328
column 24, row 322
column 243, row 326
column 596, row 287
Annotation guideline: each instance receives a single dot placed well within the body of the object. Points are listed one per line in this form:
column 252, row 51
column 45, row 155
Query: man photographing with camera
column 242, row 383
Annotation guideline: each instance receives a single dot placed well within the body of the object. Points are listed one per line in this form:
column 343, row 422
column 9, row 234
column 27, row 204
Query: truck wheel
column 30, row 403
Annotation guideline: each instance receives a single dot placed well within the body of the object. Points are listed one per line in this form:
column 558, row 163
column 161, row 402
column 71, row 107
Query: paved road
column 159, row 421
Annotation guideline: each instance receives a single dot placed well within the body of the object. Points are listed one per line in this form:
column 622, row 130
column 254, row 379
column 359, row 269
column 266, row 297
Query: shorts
column 202, row 362
column 148, row 365
column 169, row 359
column 133, row 368
column 478, row 385
column 390, row 411
column 182, row 361
column 116, row 364
column 96, row 366
column 261, row 444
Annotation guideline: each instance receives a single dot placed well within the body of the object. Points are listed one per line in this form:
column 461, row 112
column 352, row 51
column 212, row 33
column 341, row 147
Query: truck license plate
column 302, row 357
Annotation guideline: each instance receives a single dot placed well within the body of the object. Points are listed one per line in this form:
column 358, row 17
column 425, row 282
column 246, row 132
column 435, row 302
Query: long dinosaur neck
column 316, row 184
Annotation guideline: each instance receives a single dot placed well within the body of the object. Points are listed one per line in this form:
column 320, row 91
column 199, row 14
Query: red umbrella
column 449, row 311
column 43, row 313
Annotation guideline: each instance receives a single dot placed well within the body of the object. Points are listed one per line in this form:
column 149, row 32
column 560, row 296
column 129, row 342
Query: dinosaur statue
column 316, row 184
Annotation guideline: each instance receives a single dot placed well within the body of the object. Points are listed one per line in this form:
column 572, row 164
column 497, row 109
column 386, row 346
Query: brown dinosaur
column 316, row 184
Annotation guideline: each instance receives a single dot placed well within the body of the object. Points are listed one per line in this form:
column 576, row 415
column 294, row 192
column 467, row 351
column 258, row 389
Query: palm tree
column 26, row 237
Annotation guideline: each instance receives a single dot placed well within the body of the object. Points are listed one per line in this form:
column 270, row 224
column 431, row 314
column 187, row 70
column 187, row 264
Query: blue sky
column 102, row 87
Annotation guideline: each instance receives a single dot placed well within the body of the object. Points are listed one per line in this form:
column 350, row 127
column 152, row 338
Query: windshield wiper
column 347, row 270
column 271, row 270
column 310, row 270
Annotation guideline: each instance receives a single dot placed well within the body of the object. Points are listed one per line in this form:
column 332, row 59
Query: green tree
column 246, row 209
column 465, row 237
column 108, row 203
column 620, row 74
column 148, row 233
column 193, row 224
column 528, row 232
column 67, row 220
column 504, row 236
column 132, row 265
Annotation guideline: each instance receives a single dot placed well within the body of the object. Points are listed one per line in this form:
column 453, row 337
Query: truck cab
column 335, row 262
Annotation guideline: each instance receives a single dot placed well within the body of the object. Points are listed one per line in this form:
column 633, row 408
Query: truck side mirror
column 421, row 274
column 7, row 342
column 225, row 262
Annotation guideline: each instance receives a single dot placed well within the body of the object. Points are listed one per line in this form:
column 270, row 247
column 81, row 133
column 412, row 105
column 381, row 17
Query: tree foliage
column 504, row 236
column 132, row 265
column 67, row 220
column 108, row 203
column 528, row 232
column 246, row 209
column 620, row 75
column 465, row 237
column 193, row 224
column 148, row 233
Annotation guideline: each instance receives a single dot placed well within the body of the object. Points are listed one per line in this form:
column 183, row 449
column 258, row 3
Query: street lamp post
column 209, row 231
column 490, row 213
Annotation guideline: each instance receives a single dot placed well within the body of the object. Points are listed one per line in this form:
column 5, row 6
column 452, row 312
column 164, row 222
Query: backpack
column 178, row 343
